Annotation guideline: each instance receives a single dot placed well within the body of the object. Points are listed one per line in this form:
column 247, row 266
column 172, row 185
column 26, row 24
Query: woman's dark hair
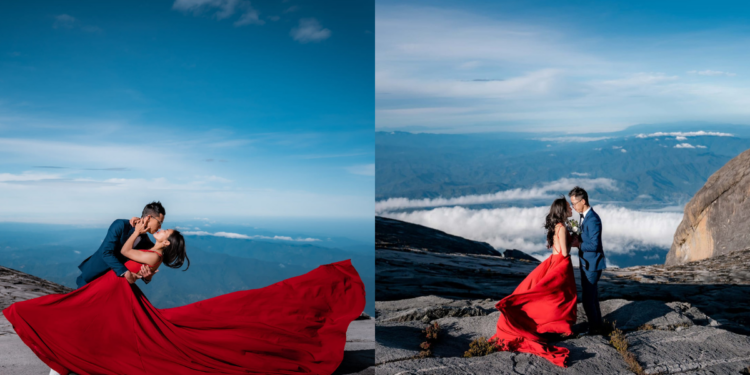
column 558, row 213
column 174, row 254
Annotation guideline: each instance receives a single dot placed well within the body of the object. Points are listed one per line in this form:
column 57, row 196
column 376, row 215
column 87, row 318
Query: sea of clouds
column 624, row 230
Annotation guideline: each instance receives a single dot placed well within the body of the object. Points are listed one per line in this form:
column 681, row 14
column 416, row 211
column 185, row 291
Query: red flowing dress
column 544, row 302
column 296, row 326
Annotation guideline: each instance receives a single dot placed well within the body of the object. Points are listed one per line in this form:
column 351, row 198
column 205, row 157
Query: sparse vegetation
column 673, row 327
column 431, row 336
column 618, row 340
column 647, row 327
column 481, row 347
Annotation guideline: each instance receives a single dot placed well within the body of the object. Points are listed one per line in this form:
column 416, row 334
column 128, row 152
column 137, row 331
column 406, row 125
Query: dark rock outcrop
column 717, row 219
column 394, row 234
column 520, row 255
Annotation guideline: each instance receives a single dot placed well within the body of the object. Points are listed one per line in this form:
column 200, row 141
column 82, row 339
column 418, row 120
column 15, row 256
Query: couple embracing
column 108, row 326
column 544, row 304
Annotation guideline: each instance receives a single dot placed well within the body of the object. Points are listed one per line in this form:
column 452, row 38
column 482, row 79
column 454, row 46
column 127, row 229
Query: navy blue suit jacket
column 108, row 257
column 591, row 252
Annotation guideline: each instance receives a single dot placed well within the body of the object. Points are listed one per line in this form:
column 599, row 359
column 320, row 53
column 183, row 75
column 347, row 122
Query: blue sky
column 218, row 108
column 572, row 66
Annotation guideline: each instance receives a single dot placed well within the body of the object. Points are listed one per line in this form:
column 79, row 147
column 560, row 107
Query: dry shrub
column 431, row 336
column 647, row 327
column 620, row 343
column 481, row 347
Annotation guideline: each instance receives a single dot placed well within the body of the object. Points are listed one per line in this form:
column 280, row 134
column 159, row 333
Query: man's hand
column 142, row 226
column 131, row 277
column 145, row 272
column 134, row 220
column 576, row 241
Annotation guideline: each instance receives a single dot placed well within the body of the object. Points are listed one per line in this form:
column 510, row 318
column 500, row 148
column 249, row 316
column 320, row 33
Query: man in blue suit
column 591, row 256
column 108, row 257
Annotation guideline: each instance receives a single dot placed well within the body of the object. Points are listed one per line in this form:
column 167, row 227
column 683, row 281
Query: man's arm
column 594, row 235
column 108, row 248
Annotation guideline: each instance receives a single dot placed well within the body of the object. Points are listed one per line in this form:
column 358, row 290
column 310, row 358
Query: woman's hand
column 142, row 226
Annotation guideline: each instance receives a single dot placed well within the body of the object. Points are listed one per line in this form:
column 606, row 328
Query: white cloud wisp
column 541, row 192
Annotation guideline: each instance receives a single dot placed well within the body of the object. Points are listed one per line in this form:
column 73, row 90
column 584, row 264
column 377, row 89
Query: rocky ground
column 691, row 318
column 17, row 359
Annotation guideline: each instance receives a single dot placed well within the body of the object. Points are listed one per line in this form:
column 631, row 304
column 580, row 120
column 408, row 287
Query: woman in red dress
column 545, row 301
column 296, row 326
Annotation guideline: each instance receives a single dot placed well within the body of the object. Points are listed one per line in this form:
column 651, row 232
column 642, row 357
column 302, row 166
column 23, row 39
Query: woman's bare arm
column 139, row 256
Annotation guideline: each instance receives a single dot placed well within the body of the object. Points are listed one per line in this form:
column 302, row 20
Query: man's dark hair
column 153, row 209
column 580, row 194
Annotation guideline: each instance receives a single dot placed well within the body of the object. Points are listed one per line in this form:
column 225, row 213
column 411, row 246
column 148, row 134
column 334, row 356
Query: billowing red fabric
column 296, row 326
column 544, row 302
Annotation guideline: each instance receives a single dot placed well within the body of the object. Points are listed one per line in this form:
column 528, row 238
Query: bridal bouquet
column 572, row 227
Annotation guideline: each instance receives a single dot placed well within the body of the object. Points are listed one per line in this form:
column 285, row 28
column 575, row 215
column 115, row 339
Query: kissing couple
column 108, row 326
column 545, row 301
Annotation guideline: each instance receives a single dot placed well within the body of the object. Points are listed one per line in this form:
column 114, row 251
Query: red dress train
column 296, row 326
column 544, row 302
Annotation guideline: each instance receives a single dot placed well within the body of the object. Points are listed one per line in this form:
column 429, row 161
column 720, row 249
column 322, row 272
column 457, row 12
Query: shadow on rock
column 400, row 337
column 356, row 361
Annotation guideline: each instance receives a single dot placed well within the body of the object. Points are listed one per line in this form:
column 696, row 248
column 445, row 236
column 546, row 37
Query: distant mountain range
column 649, row 171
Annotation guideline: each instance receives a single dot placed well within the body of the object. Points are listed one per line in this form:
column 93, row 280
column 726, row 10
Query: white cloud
column 246, row 237
column 623, row 150
column 222, row 9
column 709, row 72
column 574, row 139
column 655, row 256
column 28, row 176
column 700, row 146
column 579, row 174
column 544, row 191
column 309, row 30
column 623, row 230
column 684, row 145
column 616, row 147
column 700, row 133
column 64, row 21
column 364, row 169
column 249, row 17
column 640, row 79
column 534, row 83
column 681, row 138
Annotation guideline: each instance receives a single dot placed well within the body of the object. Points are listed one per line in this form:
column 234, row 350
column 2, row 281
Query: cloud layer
column 624, row 230
column 246, row 237
column 547, row 190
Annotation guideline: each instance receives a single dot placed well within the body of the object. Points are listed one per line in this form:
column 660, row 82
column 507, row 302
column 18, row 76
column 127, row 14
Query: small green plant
column 481, row 347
